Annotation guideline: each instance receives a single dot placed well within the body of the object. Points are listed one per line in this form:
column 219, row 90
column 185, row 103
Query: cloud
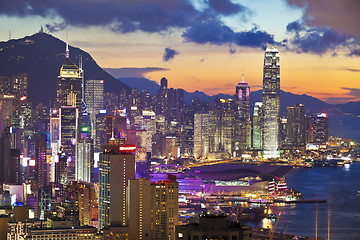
column 132, row 72
column 337, row 100
column 354, row 52
column 55, row 27
column 355, row 92
column 169, row 54
column 215, row 32
column 122, row 16
column 351, row 69
column 318, row 40
column 342, row 16
column 226, row 7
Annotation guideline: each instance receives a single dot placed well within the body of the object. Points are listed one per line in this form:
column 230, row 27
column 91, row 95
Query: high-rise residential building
column 201, row 135
column 321, row 128
column 42, row 168
column 243, row 123
column 271, row 103
column 165, row 209
column 140, row 202
column 258, row 119
column 116, row 167
column 68, row 135
column 295, row 129
column 111, row 103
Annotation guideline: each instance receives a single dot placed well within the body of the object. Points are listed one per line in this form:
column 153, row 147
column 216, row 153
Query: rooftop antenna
column 82, row 76
column 10, row 35
column 67, row 44
column 243, row 77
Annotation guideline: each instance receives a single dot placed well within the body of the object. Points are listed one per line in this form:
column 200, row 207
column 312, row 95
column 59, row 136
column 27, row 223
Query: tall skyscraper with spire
column 68, row 101
column 243, row 130
column 69, row 84
column 271, row 103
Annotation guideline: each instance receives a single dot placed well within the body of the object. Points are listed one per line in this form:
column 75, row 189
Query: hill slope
column 41, row 56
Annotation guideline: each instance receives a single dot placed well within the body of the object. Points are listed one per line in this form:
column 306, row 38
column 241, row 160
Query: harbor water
column 338, row 218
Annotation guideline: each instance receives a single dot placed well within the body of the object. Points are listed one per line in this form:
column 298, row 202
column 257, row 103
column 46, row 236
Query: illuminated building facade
column 243, row 123
column 42, row 167
column 321, row 128
column 165, row 209
column 258, row 119
column 115, row 169
column 61, row 169
column 68, row 136
column 69, row 84
column 271, row 103
column 85, row 160
column 201, row 135
column 162, row 97
column 94, row 99
column 295, row 128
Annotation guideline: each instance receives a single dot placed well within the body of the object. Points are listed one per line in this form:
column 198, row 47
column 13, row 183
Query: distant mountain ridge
column 41, row 56
column 343, row 117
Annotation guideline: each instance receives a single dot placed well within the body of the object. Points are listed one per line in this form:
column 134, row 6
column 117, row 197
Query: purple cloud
column 169, row 54
column 215, row 32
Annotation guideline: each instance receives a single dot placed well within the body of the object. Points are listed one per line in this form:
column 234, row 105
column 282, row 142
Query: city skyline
column 319, row 56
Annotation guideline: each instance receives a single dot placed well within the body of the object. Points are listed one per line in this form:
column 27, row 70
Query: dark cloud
column 337, row 100
column 169, row 54
column 351, row 69
column 342, row 16
column 354, row 52
column 122, row 16
column 132, row 72
column 226, row 7
column 355, row 92
column 215, row 32
column 55, row 27
column 317, row 40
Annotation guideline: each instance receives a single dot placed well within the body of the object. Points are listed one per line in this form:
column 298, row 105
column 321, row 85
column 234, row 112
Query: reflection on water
column 341, row 212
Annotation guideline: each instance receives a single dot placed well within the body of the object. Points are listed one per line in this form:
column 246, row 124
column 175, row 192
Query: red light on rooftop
column 23, row 98
column 127, row 148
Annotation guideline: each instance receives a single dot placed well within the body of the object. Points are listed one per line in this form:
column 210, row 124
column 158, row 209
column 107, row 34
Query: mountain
column 343, row 120
column 40, row 56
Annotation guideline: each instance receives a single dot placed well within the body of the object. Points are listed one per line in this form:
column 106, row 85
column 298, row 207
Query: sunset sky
column 206, row 44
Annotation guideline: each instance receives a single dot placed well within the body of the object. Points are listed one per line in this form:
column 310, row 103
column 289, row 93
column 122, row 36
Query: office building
column 243, row 121
column 258, row 119
column 94, row 99
column 42, row 168
column 271, row 103
column 201, row 135
column 162, row 97
column 61, row 169
column 69, row 84
column 85, row 160
column 321, row 128
column 116, row 167
column 69, row 136
column 295, row 128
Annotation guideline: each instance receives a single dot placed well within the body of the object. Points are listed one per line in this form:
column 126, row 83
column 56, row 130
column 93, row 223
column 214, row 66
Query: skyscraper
column 243, row 123
column 116, row 167
column 271, row 103
column 68, row 136
column 258, row 120
column 295, row 130
column 40, row 157
column 94, row 98
column 321, row 128
column 69, row 84
column 201, row 135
